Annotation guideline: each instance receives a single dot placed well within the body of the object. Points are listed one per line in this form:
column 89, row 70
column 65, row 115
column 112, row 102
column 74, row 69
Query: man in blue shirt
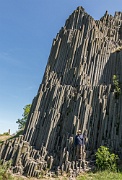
column 79, row 143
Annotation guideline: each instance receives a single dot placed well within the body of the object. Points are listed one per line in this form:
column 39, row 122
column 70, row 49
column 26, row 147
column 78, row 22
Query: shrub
column 4, row 174
column 106, row 160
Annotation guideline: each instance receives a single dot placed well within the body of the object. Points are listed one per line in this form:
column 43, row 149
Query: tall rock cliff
column 78, row 91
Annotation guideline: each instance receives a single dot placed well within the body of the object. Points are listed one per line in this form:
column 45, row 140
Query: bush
column 106, row 160
column 4, row 174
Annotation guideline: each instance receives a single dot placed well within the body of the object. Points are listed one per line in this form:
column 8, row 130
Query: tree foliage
column 106, row 160
column 21, row 122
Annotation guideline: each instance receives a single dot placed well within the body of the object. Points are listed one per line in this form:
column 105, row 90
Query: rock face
column 77, row 92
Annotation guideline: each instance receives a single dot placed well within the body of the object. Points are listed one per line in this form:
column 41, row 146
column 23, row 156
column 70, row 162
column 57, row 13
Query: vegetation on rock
column 116, row 85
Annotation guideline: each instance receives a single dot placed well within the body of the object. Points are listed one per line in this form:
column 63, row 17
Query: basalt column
column 77, row 92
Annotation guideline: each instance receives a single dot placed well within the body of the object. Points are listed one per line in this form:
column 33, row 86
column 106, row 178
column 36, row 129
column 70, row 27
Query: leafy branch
column 21, row 122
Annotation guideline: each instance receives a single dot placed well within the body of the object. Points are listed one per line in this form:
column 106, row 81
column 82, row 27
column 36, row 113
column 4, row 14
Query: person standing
column 79, row 143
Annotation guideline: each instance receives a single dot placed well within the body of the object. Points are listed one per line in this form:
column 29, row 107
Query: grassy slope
column 4, row 137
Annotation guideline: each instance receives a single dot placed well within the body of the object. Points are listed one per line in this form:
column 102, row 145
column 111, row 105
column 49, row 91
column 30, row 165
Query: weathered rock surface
column 77, row 92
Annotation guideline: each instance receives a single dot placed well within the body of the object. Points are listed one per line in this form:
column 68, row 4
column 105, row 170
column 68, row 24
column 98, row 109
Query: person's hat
column 79, row 131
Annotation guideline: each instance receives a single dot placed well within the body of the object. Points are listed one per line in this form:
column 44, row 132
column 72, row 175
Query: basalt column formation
column 78, row 91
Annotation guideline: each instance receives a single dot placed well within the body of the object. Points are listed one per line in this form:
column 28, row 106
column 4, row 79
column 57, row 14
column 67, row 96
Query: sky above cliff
column 27, row 28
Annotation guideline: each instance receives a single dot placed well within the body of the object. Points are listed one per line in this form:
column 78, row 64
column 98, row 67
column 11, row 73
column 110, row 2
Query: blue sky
column 27, row 28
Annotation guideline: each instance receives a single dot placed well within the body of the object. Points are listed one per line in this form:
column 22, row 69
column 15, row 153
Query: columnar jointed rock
column 77, row 92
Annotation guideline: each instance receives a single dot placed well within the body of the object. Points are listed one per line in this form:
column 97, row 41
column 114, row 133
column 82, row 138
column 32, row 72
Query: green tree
column 21, row 122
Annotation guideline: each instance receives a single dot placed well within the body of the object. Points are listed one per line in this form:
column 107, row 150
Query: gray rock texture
column 77, row 92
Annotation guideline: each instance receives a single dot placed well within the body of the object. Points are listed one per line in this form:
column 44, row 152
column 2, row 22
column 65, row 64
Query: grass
column 4, row 138
column 104, row 175
column 8, row 137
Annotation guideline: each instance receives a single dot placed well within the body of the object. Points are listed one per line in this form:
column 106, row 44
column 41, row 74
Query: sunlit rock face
column 77, row 92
